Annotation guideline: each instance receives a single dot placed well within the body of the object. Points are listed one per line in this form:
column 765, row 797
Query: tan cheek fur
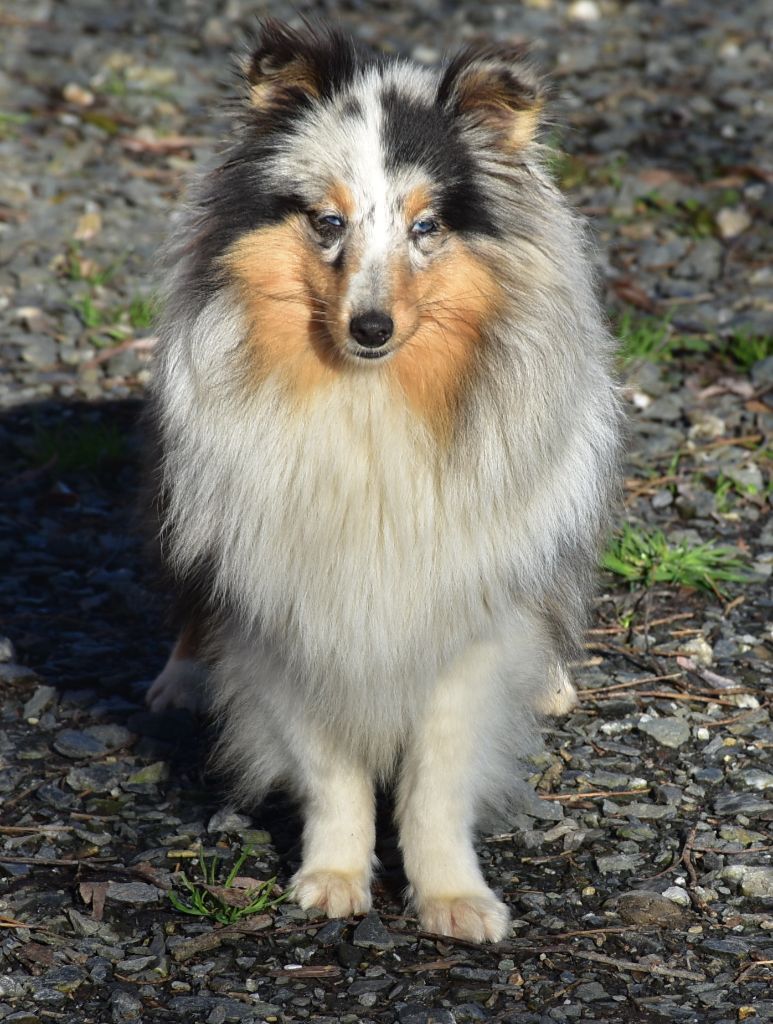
column 439, row 315
column 450, row 303
column 281, row 282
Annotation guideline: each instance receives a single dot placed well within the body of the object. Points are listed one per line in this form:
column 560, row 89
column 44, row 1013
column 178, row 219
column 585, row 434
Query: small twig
column 731, row 721
column 565, row 855
column 632, row 683
column 666, row 694
column 25, row 830
column 594, row 931
column 215, row 938
column 629, row 965
column 732, row 605
column 594, row 793
column 432, row 965
column 724, row 441
column 309, row 971
column 56, row 863
column 741, row 976
column 11, row 922
column 735, row 853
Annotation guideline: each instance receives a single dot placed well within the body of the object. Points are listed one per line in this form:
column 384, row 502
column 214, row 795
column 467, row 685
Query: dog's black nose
column 372, row 329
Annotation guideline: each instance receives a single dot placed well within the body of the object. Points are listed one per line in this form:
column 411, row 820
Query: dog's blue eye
column 423, row 227
column 330, row 220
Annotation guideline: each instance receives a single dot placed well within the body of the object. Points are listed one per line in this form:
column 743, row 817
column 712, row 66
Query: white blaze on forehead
column 373, row 229
column 343, row 142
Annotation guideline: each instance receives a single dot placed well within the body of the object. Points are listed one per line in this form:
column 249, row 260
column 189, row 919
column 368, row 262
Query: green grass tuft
column 648, row 558
column 642, row 338
column 142, row 311
column 744, row 348
column 222, row 901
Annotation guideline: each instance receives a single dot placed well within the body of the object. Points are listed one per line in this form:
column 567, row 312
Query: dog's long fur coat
column 395, row 554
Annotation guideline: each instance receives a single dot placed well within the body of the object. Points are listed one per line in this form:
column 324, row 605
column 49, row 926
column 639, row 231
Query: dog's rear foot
column 336, row 893
column 560, row 695
column 179, row 685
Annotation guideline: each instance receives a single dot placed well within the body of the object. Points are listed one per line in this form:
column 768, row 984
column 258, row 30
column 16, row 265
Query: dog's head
column 360, row 210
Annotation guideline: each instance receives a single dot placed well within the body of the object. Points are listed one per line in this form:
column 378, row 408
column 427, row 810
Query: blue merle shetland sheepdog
column 387, row 433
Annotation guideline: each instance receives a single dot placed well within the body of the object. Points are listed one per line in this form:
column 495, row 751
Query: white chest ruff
column 336, row 532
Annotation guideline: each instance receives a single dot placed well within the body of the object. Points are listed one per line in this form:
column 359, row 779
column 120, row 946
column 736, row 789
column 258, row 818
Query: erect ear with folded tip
column 292, row 67
column 496, row 88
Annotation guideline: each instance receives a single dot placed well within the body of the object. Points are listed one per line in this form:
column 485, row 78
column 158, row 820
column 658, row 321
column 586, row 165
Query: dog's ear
column 292, row 67
column 495, row 87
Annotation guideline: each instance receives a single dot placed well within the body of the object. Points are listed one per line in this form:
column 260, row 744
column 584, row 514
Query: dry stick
column 723, row 441
column 731, row 721
column 54, row 863
column 741, row 976
column 668, row 619
column 34, row 830
column 594, row 793
column 634, row 483
column 682, row 696
column 211, row 940
column 433, row 965
column 629, row 965
column 11, row 922
column 630, row 685
column 735, row 853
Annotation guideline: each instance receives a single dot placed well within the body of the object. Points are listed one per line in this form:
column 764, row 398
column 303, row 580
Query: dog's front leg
column 339, row 831
column 449, row 763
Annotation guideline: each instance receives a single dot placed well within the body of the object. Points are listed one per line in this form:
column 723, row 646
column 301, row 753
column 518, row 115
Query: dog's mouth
column 370, row 354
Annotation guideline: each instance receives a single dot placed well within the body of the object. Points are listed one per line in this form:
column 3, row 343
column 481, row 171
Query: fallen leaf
column 89, row 225
column 94, row 893
column 312, row 971
column 631, row 293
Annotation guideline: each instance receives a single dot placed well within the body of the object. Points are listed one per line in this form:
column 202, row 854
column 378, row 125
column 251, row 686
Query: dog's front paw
column 477, row 918
column 336, row 893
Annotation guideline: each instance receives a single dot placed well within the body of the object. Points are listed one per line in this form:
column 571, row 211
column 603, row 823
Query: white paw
column 337, row 893
column 477, row 918
column 559, row 695
column 180, row 685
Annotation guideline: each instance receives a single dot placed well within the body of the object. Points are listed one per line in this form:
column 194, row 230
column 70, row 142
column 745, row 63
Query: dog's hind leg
column 447, row 767
column 180, row 684
column 559, row 695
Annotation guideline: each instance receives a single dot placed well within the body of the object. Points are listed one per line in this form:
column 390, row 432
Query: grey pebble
column 76, row 744
column 590, row 992
column 228, row 820
column 669, row 732
column 12, row 673
column 753, row 880
column 615, row 862
column 42, row 698
column 112, row 736
column 124, row 1006
column 133, row 892
column 7, row 650
column 737, row 949
column 370, row 932
column 741, row 803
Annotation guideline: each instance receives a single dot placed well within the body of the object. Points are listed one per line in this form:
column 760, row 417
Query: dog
column 386, row 436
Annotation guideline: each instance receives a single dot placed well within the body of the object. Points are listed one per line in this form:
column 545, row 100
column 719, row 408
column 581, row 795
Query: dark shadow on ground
column 82, row 605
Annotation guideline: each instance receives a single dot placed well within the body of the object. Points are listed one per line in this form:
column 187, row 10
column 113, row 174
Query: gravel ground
column 641, row 885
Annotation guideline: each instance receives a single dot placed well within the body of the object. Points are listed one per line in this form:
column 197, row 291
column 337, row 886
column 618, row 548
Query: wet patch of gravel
column 639, row 871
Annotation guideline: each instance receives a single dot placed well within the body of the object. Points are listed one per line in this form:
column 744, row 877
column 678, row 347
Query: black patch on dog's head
column 234, row 202
column 426, row 136
column 291, row 69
